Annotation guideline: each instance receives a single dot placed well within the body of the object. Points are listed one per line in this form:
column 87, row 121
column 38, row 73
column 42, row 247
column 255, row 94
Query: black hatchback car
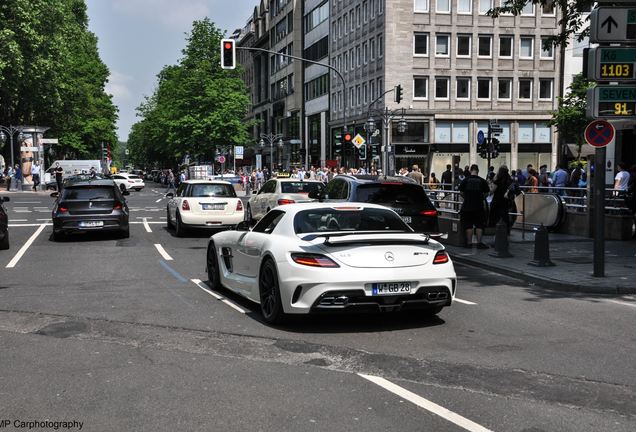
column 87, row 205
column 401, row 194
column 4, row 224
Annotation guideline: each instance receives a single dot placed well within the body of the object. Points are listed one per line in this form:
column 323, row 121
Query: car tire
column 248, row 215
column 4, row 244
column 125, row 233
column 122, row 188
column 212, row 264
column 168, row 222
column 269, row 291
column 58, row 236
column 179, row 229
column 433, row 310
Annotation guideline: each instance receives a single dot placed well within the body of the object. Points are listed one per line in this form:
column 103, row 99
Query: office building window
column 547, row 49
column 372, row 48
column 463, row 45
column 545, row 89
column 505, row 46
column 464, row 6
column 420, row 5
column 372, row 89
column 525, row 89
column 441, row 88
column 420, row 44
column 442, row 42
column 420, row 88
column 483, row 88
column 484, row 6
column 528, row 9
column 443, row 6
column 365, row 11
column 365, row 53
column 505, row 89
column 548, row 8
column 526, row 47
column 485, row 46
column 380, row 46
column 463, row 88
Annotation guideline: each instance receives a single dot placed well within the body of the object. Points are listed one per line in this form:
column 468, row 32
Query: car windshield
column 89, row 193
column 299, row 187
column 348, row 219
column 390, row 193
column 212, row 190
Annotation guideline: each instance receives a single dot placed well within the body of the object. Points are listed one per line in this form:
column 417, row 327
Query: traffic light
column 375, row 150
column 104, row 153
column 362, row 152
column 228, row 54
column 399, row 92
column 337, row 143
column 495, row 148
column 347, row 137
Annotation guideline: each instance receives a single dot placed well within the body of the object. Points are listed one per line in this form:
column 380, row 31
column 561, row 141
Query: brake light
column 313, row 260
column 62, row 209
column 185, row 206
column 130, row 181
column 239, row 206
column 429, row 212
column 285, row 201
column 441, row 257
column 118, row 206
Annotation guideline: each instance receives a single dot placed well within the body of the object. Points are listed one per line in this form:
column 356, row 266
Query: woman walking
column 500, row 206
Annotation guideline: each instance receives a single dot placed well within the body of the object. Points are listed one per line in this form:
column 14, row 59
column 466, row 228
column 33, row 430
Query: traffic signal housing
column 347, row 137
column 362, row 152
column 228, row 54
column 399, row 93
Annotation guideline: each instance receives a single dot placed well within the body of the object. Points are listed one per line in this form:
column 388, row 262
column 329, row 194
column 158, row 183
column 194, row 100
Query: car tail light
column 313, row 260
column 239, row 206
column 185, row 206
column 130, row 181
column 285, row 201
column 432, row 212
column 441, row 257
column 118, row 206
column 62, row 209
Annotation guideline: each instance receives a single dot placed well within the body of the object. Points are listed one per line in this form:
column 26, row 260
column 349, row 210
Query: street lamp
column 271, row 138
column 386, row 116
column 11, row 131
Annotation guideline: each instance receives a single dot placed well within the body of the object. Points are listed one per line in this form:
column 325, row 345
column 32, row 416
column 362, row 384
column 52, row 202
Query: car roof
column 86, row 183
column 295, row 180
column 368, row 179
column 221, row 182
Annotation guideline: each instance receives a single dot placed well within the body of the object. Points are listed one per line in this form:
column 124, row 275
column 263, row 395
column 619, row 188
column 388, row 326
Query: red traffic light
column 228, row 45
column 228, row 54
column 347, row 137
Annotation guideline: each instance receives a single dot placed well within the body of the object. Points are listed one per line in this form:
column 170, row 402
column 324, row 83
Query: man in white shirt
column 621, row 181
column 35, row 173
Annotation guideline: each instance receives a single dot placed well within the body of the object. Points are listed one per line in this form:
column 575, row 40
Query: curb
column 547, row 283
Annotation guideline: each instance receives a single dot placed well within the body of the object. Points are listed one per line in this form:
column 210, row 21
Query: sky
column 137, row 38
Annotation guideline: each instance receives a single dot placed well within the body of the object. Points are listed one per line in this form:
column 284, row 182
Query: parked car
column 128, row 182
column 400, row 194
column 317, row 257
column 4, row 224
column 203, row 204
column 87, row 205
column 280, row 191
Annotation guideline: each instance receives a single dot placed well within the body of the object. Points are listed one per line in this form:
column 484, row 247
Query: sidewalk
column 573, row 258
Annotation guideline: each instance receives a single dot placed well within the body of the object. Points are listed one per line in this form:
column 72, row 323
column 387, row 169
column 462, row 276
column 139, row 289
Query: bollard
column 541, row 249
column 501, row 241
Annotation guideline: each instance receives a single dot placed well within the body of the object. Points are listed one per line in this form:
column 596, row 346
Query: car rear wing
column 370, row 237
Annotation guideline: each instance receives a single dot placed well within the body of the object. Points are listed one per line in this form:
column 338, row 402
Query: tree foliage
column 195, row 107
column 51, row 74
column 570, row 119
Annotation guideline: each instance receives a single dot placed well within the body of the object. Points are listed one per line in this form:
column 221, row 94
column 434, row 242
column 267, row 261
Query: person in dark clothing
column 500, row 205
column 472, row 214
column 447, row 177
column 59, row 174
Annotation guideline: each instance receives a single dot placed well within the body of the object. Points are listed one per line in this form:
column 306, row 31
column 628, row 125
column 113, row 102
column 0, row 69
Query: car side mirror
column 5, row 199
column 170, row 195
column 55, row 194
column 242, row 226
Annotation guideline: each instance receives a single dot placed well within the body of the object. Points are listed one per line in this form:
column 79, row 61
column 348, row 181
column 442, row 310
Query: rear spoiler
column 423, row 238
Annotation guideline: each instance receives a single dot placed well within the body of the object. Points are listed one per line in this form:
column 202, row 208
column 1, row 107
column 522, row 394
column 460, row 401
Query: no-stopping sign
column 599, row 133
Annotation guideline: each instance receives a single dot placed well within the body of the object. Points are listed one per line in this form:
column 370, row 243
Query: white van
column 72, row 167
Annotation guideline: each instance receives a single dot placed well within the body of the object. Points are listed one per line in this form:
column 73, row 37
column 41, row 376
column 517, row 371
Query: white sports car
column 313, row 257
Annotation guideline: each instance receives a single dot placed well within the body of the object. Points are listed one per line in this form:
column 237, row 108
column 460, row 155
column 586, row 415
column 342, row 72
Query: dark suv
column 401, row 194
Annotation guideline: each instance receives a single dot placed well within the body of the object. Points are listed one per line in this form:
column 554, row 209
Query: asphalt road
column 123, row 335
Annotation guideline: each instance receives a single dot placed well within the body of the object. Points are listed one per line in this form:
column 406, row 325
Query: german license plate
column 406, row 219
column 392, row 288
column 91, row 224
column 213, row 206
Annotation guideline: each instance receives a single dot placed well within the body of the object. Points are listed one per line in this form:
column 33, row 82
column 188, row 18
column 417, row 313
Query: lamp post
column 387, row 116
column 11, row 131
column 270, row 138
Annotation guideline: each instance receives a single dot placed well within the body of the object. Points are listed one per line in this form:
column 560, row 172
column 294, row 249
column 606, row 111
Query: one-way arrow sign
column 609, row 22
column 613, row 25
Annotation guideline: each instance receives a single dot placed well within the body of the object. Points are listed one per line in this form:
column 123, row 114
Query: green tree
column 196, row 105
column 570, row 119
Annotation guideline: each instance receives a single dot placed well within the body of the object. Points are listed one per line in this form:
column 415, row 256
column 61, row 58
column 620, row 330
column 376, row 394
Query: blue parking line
column 172, row 271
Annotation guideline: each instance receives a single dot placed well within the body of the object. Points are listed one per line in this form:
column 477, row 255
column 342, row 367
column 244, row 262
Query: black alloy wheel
column 4, row 244
column 179, row 229
column 58, row 236
column 168, row 222
column 212, row 264
column 271, row 304
column 122, row 188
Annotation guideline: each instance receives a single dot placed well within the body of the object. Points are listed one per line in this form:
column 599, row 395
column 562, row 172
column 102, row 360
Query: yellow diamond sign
column 358, row 141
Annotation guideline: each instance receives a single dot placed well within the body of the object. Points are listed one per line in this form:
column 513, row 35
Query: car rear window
column 212, row 190
column 348, row 219
column 133, row 176
column 393, row 193
column 89, row 193
column 299, row 187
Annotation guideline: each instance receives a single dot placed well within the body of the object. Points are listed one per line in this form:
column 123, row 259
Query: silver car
column 280, row 191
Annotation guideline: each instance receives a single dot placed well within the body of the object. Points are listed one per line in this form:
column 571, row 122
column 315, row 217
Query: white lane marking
column 26, row 246
column 145, row 222
column 28, row 202
column 458, row 300
column 29, row 225
column 163, row 252
column 204, row 287
column 159, row 200
column 439, row 410
column 22, row 211
column 149, row 222
column 622, row 303
column 44, row 220
column 19, row 220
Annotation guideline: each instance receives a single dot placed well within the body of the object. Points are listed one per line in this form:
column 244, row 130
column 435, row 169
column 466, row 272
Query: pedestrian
column 621, row 181
column 59, row 175
column 544, row 178
column 533, row 181
column 447, row 178
column 18, row 177
column 472, row 214
column 631, row 194
column 9, row 176
column 170, row 179
column 93, row 173
column 560, row 180
column 416, row 175
column 433, row 182
column 35, row 173
column 502, row 189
